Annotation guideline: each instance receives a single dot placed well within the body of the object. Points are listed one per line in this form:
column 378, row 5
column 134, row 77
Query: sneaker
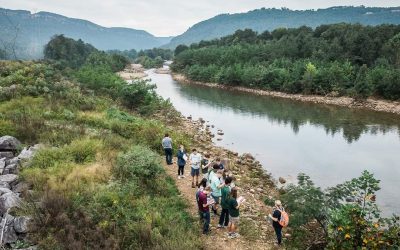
column 232, row 235
column 220, row 226
column 183, row 176
column 179, row 176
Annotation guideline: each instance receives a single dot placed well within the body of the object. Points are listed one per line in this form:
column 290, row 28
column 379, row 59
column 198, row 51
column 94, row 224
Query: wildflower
column 365, row 241
column 347, row 236
column 340, row 228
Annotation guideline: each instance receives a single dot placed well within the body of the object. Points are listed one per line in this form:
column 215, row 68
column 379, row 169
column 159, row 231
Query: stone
column 8, row 201
column 9, row 234
column 20, row 187
column 29, row 152
column 10, row 169
column 282, row 180
column 4, row 185
column 2, row 164
column 4, row 190
column 9, row 143
column 7, row 154
column 248, row 156
column 350, row 199
column 21, row 224
column 220, row 133
column 252, row 191
column 9, row 178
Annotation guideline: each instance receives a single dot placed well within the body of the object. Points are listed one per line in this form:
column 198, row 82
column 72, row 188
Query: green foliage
column 347, row 214
column 335, row 59
column 67, row 51
column 138, row 162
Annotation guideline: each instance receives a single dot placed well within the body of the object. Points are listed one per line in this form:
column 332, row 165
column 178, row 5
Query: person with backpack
column 182, row 157
column 279, row 219
column 167, row 145
column 225, row 191
column 204, row 208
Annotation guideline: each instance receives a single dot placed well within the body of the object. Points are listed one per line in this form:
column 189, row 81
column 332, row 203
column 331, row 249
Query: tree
column 362, row 87
column 180, row 48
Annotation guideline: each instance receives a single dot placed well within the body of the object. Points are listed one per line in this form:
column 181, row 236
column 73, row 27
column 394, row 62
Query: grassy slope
column 98, row 180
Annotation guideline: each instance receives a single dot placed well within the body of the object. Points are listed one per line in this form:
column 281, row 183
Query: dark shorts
column 216, row 198
column 195, row 172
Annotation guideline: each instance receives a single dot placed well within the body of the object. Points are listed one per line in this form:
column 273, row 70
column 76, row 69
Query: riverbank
column 254, row 183
column 132, row 72
column 370, row 104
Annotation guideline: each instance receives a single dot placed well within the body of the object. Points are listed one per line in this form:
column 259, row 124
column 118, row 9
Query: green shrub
column 83, row 150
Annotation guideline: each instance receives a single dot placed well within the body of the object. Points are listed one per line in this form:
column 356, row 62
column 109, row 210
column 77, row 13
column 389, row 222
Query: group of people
column 216, row 193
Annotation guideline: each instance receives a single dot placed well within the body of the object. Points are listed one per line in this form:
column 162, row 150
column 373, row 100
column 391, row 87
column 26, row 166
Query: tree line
column 336, row 59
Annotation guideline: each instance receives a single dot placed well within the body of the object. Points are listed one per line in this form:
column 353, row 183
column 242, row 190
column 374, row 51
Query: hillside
column 33, row 31
column 270, row 19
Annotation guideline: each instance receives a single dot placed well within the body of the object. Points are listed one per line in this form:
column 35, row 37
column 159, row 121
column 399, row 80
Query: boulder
column 28, row 152
column 248, row 156
column 7, row 154
column 9, row 143
column 9, row 178
column 2, row 164
column 20, row 187
column 9, row 234
column 10, row 169
column 4, row 185
column 9, row 200
column 21, row 224
column 4, row 190
column 282, row 180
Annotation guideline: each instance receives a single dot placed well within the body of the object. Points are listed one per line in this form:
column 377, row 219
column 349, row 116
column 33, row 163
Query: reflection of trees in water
column 351, row 123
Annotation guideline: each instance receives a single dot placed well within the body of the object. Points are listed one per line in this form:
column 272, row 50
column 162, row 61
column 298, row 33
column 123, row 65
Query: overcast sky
column 168, row 17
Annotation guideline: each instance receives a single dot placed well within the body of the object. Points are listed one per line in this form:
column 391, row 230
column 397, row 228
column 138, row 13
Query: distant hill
column 33, row 31
column 270, row 19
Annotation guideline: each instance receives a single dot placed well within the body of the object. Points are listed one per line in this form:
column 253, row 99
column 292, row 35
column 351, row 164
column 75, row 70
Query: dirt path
column 261, row 238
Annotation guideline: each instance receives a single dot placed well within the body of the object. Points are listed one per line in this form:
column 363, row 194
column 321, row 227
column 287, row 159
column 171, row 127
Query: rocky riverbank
column 133, row 72
column 370, row 103
column 13, row 228
column 254, row 183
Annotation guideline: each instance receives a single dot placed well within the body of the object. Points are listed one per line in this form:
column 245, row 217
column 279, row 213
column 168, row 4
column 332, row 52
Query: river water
column 330, row 144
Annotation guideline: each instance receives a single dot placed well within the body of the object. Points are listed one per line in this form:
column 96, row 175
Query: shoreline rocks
column 15, row 228
column 379, row 105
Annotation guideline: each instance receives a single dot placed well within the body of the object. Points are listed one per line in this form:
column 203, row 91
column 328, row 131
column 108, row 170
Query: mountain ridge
column 34, row 30
column 272, row 18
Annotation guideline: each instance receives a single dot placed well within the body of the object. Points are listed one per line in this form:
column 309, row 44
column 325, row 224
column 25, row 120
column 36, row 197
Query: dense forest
column 149, row 58
column 335, row 60
column 269, row 19
column 89, row 181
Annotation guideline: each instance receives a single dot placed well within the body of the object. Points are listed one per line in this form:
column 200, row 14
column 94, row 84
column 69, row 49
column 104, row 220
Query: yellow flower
column 365, row 241
column 347, row 236
column 340, row 228
column 376, row 225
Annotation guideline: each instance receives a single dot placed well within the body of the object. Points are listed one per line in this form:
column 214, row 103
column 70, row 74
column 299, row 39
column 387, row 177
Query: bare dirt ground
column 133, row 72
column 262, row 238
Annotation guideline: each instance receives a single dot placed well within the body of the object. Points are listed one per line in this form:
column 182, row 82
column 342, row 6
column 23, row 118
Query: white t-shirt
column 195, row 160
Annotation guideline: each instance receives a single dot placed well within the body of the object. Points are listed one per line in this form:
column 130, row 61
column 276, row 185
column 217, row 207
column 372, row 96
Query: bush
column 139, row 162
column 83, row 150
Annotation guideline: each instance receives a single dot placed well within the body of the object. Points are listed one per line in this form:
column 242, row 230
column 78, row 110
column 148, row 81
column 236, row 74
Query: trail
column 218, row 238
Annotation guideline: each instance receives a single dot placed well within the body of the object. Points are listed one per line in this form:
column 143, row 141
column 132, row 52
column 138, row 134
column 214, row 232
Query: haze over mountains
column 33, row 31
column 270, row 19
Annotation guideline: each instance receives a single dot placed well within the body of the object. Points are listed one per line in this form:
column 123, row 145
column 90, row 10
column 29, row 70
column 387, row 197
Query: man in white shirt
column 195, row 160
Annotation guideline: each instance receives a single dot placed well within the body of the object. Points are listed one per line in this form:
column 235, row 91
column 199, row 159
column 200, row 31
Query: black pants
column 224, row 217
column 180, row 169
column 168, row 155
column 278, row 231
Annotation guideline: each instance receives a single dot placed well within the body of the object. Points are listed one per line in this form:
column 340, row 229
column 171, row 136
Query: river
column 330, row 144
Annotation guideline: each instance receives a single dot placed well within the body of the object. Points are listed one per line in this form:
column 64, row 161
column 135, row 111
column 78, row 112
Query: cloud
column 167, row 17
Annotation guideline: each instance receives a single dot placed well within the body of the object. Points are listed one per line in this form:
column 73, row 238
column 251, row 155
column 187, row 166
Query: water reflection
column 351, row 123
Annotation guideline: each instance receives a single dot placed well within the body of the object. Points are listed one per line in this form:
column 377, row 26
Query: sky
column 168, row 17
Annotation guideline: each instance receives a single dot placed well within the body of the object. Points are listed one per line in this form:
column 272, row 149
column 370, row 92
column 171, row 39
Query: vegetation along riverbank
column 337, row 60
column 97, row 181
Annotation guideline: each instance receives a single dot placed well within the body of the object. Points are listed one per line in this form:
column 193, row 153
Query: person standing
column 276, row 217
column 225, row 191
column 182, row 157
column 195, row 160
column 205, row 164
column 204, row 208
column 234, row 204
column 167, row 145
column 216, row 187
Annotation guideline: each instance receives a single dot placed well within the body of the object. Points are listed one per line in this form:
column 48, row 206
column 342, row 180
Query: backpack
column 284, row 221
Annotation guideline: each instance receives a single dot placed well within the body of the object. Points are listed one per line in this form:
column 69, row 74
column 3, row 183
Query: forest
column 330, row 60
